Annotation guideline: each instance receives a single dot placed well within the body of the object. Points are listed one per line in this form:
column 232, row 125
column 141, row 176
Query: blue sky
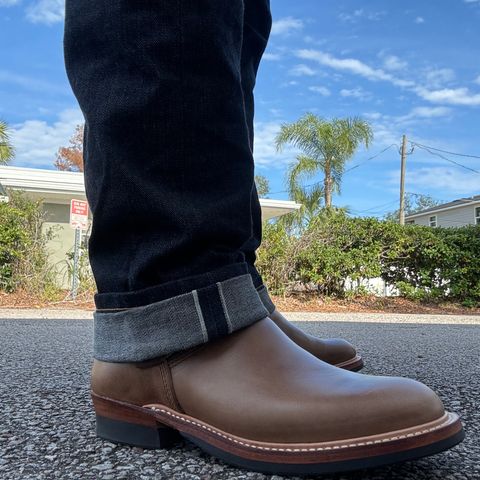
column 408, row 67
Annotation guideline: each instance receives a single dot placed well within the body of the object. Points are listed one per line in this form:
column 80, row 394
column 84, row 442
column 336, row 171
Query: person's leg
column 256, row 30
column 166, row 138
column 168, row 168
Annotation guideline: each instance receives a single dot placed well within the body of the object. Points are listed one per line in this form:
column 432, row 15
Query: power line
column 376, row 207
column 348, row 170
column 415, row 194
column 371, row 158
column 445, row 151
column 445, row 158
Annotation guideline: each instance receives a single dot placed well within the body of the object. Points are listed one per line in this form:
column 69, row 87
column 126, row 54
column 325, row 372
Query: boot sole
column 353, row 364
column 157, row 426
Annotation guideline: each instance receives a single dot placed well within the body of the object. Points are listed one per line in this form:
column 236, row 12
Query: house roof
column 57, row 186
column 461, row 202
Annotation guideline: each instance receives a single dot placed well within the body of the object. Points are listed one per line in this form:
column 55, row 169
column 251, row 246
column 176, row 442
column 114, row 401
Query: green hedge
column 23, row 253
column 422, row 262
column 14, row 243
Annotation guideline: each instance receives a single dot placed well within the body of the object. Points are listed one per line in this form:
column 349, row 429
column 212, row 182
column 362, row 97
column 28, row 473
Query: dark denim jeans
column 166, row 89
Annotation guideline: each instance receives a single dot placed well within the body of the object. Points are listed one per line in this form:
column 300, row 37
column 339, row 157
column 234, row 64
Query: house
column 461, row 212
column 56, row 188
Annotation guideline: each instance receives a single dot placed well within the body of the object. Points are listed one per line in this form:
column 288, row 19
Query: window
column 432, row 221
column 410, row 222
column 477, row 215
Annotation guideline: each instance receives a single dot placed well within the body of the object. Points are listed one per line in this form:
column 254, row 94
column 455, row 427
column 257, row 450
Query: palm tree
column 326, row 147
column 6, row 148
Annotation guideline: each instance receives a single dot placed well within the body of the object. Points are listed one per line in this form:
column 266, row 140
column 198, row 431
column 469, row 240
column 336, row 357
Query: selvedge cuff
column 177, row 323
column 265, row 298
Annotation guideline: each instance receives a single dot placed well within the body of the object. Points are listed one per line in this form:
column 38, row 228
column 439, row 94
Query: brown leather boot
column 257, row 400
column 334, row 351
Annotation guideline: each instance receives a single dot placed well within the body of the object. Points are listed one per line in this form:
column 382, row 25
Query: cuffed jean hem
column 265, row 298
column 163, row 291
column 256, row 277
column 177, row 323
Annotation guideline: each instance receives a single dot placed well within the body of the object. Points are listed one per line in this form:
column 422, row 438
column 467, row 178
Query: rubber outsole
column 157, row 426
column 332, row 467
column 354, row 364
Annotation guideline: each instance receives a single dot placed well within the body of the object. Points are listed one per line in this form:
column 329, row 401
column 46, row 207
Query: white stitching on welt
column 319, row 449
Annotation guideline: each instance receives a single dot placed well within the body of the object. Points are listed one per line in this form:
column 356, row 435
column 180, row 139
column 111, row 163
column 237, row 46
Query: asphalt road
column 47, row 423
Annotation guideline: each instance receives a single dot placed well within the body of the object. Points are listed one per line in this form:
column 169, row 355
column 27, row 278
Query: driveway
column 47, row 423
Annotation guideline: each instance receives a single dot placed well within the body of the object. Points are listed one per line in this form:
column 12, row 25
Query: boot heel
column 118, row 423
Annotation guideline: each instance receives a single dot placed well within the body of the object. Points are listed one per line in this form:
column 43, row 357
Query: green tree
column 6, row 148
column 326, row 146
column 263, row 187
column 414, row 203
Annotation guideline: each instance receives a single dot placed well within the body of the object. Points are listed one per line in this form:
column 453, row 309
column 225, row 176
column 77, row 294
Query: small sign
column 79, row 214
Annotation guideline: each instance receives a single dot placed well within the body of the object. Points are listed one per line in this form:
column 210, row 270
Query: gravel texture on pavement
column 47, row 421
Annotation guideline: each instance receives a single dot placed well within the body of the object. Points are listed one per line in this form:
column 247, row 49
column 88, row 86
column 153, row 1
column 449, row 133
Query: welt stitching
column 317, row 449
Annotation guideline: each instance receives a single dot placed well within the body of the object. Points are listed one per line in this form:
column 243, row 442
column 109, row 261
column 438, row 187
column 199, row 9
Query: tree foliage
column 421, row 262
column 325, row 146
column 7, row 152
column 70, row 158
column 23, row 252
column 414, row 203
column 262, row 184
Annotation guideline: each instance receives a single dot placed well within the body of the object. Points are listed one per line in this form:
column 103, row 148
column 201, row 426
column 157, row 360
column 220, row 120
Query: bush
column 461, row 267
column 23, row 254
column 13, row 243
column 86, row 282
column 275, row 259
column 423, row 263
column 334, row 248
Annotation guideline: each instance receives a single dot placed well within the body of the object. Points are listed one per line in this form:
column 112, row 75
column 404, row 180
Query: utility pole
column 403, row 153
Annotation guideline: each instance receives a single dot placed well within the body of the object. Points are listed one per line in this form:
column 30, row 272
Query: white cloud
column 352, row 65
column 436, row 77
column 446, row 179
column 360, row 14
column 319, row 89
column 286, row 25
column 389, row 128
column 301, row 70
column 36, row 142
column 392, row 62
column 423, row 113
column 271, row 56
column 276, row 112
column 449, row 96
column 429, row 112
column 472, row 1
column 290, row 83
column 357, row 93
column 314, row 41
column 46, row 11
column 32, row 83
column 9, row 3
column 373, row 115
column 419, row 20
column 264, row 150
column 477, row 80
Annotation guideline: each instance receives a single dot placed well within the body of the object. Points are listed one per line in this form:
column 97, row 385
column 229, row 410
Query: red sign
column 79, row 214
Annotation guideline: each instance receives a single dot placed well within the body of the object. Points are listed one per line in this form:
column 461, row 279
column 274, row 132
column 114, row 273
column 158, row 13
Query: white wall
column 455, row 217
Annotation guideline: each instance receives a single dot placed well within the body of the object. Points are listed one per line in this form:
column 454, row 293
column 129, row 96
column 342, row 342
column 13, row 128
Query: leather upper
column 259, row 384
column 330, row 350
